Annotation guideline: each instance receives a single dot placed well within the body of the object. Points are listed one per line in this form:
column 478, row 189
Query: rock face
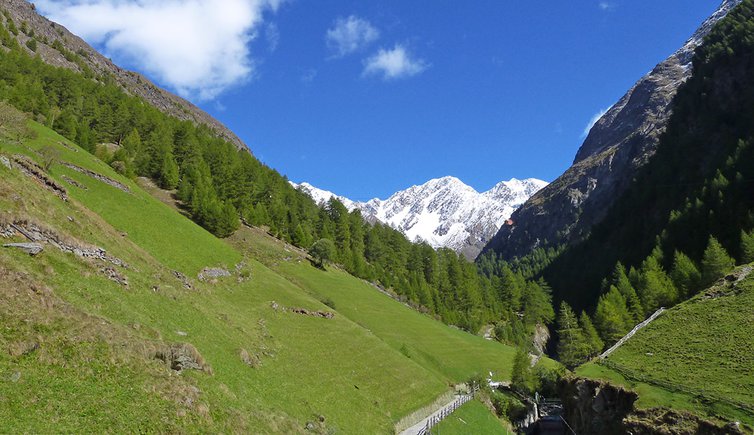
column 594, row 407
column 444, row 212
column 621, row 142
column 133, row 83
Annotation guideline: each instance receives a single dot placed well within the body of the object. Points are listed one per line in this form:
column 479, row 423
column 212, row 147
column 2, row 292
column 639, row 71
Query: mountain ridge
column 444, row 212
column 620, row 142
column 77, row 55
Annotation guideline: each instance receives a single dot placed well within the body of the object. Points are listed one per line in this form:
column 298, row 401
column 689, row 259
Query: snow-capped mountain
column 323, row 196
column 444, row 212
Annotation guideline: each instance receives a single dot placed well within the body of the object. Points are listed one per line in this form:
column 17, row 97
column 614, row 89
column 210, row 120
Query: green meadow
column 83, row 348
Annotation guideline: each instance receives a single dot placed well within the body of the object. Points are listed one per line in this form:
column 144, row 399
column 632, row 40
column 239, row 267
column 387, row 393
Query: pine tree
column 537, row 303
column 610, row 316
column 169, row 176
column 521, row 375
column 747, row 247
column 510, row 289
column 715, row 263
column 227, row 220
column 593, row 340
column 572, row 346
column 656, row 289
column 623, row 284
column 685, row 275
column 132, row 142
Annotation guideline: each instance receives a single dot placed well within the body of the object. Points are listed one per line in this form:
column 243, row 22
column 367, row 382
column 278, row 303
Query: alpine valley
column 156, row 276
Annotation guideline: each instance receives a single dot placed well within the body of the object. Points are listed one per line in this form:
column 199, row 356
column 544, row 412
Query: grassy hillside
column 472, row 417
column 451, row 353
column 694, row 357
column 264, row 367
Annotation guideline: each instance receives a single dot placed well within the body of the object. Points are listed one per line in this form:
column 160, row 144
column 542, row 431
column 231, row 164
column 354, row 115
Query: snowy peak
column 322, row 197
column 444, row 212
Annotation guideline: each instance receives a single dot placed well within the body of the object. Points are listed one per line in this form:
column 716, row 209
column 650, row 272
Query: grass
column 451, row 353
column 374, row 363
column 694, row 357
column 149, row 223
column 472, row 417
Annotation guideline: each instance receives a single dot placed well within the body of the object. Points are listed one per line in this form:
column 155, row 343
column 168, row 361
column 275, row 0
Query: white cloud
column 196, row 47
column 349, row 35
column 394, row 64
column 606, row 5
column 593, row 121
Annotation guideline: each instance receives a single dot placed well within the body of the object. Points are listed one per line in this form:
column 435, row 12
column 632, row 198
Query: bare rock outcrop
column 29, row 248
column 33, row 170
column 38, row 234
column 667, row 421
column 595, row 407
column 212, row 274
column 99, row 177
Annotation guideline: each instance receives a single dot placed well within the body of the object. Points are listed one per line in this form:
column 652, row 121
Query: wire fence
column 420, row 414
column 445, row 413
column 702, row 395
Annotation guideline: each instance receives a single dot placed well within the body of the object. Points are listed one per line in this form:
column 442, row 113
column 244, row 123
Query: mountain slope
column 689, row 359
column 104, row 329
column 696, row 186
column 59, row 47
column 620, row 143
column 444, row 212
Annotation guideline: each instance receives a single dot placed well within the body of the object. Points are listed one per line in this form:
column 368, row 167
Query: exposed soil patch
column 303, row 311
column 98, row 177
column 33, row 170
column 182, row 356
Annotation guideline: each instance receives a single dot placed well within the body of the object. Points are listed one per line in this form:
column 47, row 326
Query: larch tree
column 715, row 263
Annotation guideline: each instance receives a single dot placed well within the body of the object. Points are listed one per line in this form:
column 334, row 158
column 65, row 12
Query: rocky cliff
column 621, row 142
column 78, row 55
column 593, row 407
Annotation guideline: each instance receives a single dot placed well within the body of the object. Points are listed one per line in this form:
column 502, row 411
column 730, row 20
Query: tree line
column 221, row 186
column 631, row 296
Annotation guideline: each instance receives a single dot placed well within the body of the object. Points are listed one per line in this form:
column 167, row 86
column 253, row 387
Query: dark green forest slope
column 688, row 216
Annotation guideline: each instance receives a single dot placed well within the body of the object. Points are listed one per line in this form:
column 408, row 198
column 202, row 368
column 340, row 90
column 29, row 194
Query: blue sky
column 367, row 98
